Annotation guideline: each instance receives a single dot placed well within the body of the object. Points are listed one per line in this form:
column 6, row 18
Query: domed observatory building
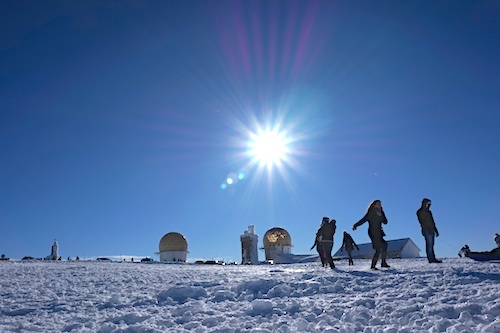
column 173, row 247
column 277, row 241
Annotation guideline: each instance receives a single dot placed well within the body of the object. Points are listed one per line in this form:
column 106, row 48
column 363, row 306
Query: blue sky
column 121, row 121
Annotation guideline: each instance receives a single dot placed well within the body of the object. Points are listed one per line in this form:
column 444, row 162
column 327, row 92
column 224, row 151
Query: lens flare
column 268, row 147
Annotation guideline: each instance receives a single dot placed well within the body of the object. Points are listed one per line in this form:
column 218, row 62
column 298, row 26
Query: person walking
column 348, row 244
column 429, row 230
column 375, row 216
column 327, row 231
column 317, row 243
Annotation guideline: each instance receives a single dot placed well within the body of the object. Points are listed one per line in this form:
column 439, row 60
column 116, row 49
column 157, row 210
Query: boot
column 332, row 265
column 384, row 263
column 374, row 262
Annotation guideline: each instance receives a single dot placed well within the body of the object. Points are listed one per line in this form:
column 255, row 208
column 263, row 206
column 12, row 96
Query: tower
column 249, row 254
column 54, row 253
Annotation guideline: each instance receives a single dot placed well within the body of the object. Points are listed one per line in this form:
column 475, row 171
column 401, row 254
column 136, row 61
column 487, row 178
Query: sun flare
column 270, row 150
column 268, row 147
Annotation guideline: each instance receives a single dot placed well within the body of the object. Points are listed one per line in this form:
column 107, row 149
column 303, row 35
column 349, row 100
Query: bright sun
column 267, row 151
column 268, row 147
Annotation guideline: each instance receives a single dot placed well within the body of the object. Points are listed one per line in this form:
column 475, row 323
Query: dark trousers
column 327, row 252
column 319, row 248
column 380, row 246
column 381, row 249
column 351, row 262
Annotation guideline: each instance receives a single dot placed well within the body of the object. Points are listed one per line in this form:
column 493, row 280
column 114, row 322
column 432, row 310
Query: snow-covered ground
column 458, row 295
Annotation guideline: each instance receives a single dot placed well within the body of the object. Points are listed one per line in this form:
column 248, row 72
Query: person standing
column 497, row 239
column 327, row 231
column 429, row 230
column 348, row 244
column 465, row 250
column 375, row 216
column 317, row 242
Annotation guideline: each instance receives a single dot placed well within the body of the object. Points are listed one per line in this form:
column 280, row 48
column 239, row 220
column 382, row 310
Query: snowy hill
column 412, row 296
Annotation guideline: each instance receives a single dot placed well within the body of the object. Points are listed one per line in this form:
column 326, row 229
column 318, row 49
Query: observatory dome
column 173, row 241
column 277, row 236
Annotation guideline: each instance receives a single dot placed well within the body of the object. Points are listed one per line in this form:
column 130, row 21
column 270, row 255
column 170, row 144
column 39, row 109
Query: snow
column 459, row 295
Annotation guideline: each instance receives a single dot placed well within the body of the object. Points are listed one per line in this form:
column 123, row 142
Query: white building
column 277, row 241
column 397, row 248
column 173, row 247
column 249, row 252
column 54, row 253
column 295, row 258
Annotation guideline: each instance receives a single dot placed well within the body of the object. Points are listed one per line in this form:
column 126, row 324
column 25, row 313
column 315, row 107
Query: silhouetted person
column 375, row 216
column 464, row 251
column 348, row 244
column 497, row 239
column 318, row 244
column 327, row 232
column 429, row 230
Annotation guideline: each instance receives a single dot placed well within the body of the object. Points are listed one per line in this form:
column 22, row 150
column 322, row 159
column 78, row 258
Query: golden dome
column 277, row 236
column 173, row 241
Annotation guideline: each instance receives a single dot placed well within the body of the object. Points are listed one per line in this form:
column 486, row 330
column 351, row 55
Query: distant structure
column 295, row 258
column 249, row 253
column 277, row 241
column 397, row 248
column 173, row 247
column 54, row 254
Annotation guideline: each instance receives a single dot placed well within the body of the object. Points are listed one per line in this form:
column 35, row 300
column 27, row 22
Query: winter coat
column 327, row 231
column 374, row 224
column 348, row 243
column 464, row 251
column 426, row 220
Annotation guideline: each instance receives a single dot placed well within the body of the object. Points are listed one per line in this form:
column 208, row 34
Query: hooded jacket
column 426, row 220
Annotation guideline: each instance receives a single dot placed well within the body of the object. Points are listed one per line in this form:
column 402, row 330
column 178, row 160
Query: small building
column 277, row 241
column 249, row 252
column 173, row 247
column 397, row 248
column 54, row 253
